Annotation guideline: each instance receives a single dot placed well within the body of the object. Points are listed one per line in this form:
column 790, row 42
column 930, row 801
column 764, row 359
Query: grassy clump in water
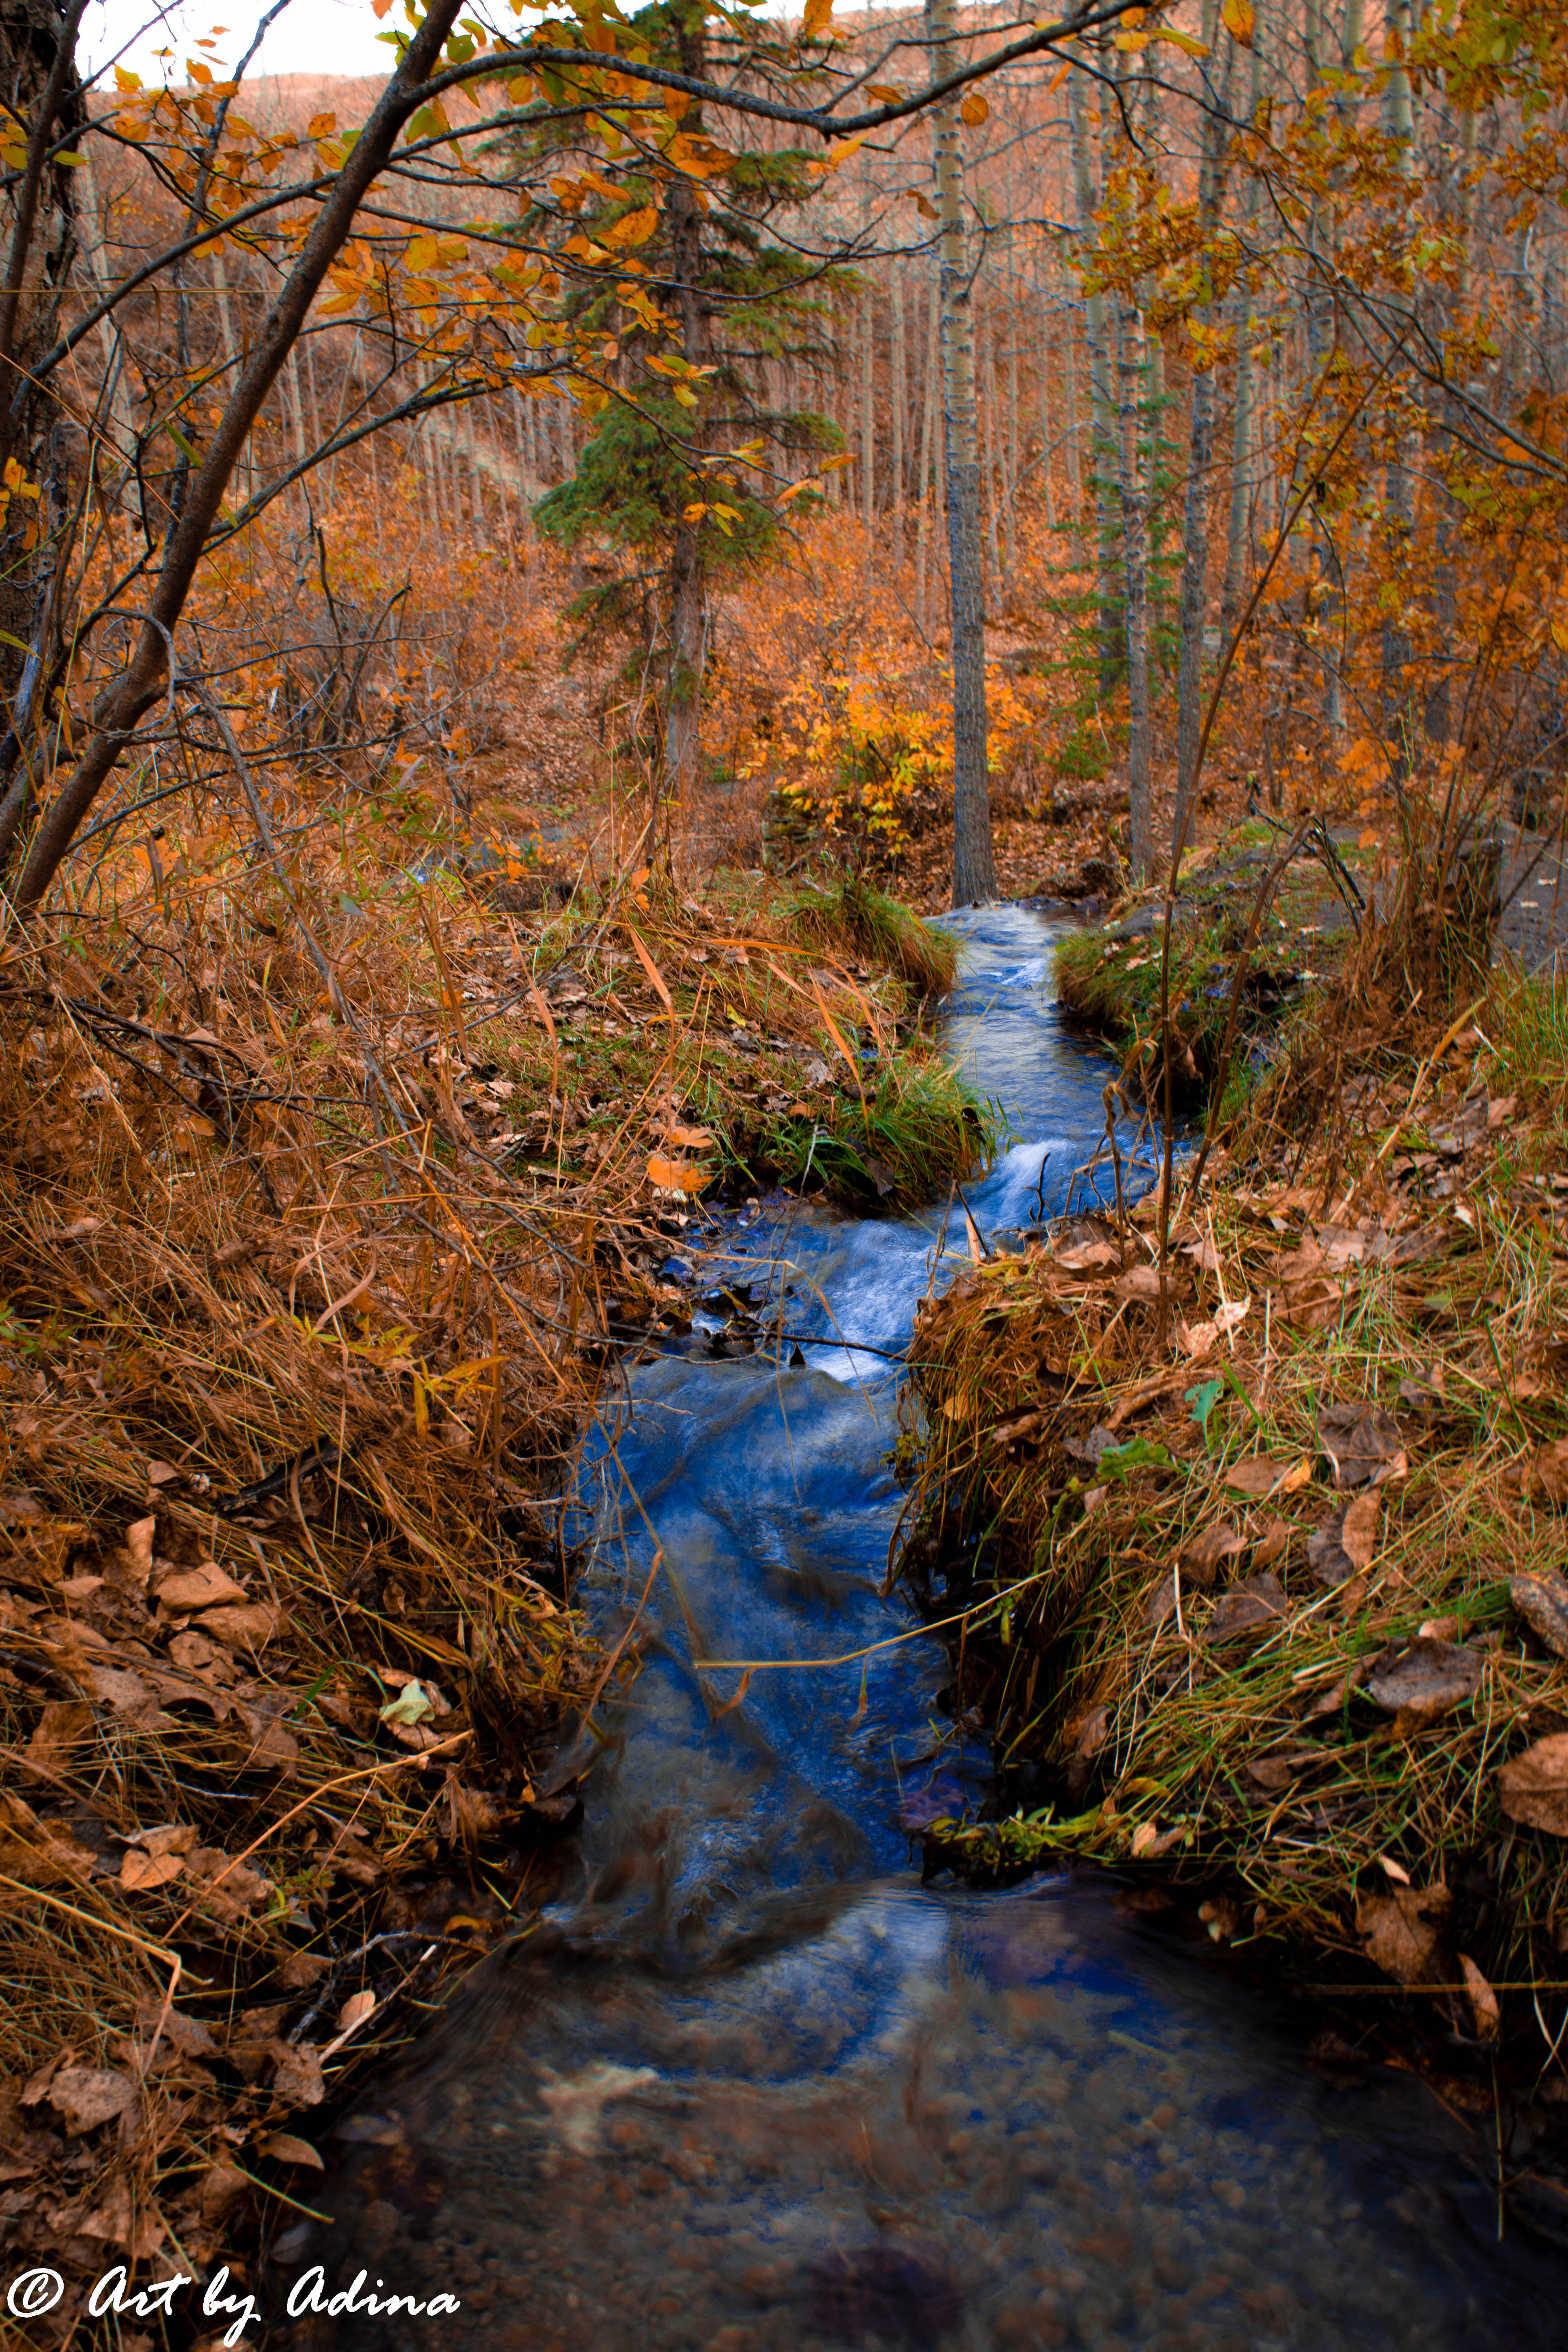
column 918, row 1125
column 853, row 916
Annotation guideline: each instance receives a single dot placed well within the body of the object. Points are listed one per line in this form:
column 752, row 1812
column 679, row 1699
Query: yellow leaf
column 1194, row 47
column 1239, row 21
column 817, row 15
column 1559, row 632
column 1132, row 41
column 975, row 110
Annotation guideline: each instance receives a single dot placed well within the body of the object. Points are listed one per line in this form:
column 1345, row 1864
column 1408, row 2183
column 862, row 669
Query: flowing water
column 753, row 2085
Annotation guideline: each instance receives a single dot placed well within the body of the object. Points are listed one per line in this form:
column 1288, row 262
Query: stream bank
column 1270, row 1610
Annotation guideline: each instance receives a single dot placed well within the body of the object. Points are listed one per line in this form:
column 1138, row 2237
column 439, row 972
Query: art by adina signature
column 33, row 2292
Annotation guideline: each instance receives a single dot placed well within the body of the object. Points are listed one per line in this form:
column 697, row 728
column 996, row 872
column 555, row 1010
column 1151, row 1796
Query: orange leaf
column 1239, row 21
column 975, row 110
column 817, row 14
column 674, row 1175
column 690, row 1138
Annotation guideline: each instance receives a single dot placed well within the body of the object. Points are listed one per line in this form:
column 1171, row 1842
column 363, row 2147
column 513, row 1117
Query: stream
column 751, row 2083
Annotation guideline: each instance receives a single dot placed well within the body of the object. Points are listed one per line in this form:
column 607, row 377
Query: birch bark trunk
column 974, row 872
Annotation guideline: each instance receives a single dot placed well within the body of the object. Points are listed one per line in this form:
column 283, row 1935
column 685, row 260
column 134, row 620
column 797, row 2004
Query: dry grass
column 333, row 1200
column 1198, row 1678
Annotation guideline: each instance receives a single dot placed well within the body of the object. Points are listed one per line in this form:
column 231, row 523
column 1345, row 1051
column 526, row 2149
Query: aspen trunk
column 1135, row 559
column 1193, row 606
column 928, row 439
column 973, row 873
column 1103, row 443
column 900, row 399
column 688, row 573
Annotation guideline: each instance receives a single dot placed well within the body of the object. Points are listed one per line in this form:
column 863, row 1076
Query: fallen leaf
column 1085, row 1257
column 186, row 2035
column 667, row 1175
column 254, row 1625
column 355, row 2010
column 1197, row 1338
column 1201, row 1556
column 1547, row 1474
column 1402, row 1932
column 90, row 2095
column 139, row 1873
column 284, row 2148
column 297, row 2074
column 1532, row 1789
column 1246, row 1608
column 1362, row 1443
column 1343, row 1546
column 139, row 1548
column 1140, row 1281
column 226, row 1890
column 34, row 1851
column 1263, row 1475
column 1273, row 1774
column 411, row 1707
column 1276, row 1543
column 1421, row 1680
column 689, row 1139
column 62, row 1724
column 1483, row 2000
column 1542, row 1601
column 201, row 1587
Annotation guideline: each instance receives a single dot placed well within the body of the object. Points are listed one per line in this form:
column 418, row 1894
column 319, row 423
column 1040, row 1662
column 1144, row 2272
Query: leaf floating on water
column 1532, row 1790
column 1542, row 1601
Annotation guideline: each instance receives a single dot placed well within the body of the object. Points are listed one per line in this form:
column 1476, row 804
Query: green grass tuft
column 853, row 914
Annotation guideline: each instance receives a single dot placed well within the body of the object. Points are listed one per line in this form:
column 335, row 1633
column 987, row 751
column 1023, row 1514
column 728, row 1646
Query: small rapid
column 752, row 2084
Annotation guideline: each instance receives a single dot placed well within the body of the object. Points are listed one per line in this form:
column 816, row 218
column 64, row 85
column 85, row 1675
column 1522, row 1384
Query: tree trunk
column 1200, row 452
column 1103, row 432
column 973, row 873
column 39, row 85
column 687, row 572
column 1136, row 560
column 932, row 356
column 901, row 400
